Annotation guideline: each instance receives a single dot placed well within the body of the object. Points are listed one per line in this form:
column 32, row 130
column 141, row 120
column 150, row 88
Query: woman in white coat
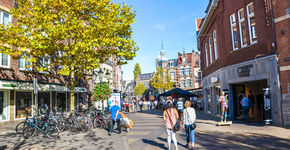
column 189, row 118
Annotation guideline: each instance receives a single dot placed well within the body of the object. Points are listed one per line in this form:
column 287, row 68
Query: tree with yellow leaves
column 161, row 80
column 76, row 36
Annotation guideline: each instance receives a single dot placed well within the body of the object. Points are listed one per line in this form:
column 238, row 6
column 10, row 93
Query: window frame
column 8, row 61
column 2, row 16
column 187, row 69
column 25, row 68
column 181, row 72
column 241, row 20
column 210, row 50
column 233, row 16
column 182, row 82
column 188, row 82
column 215, row 45
column 252, row 15
column 48, row 62
column 206, row 54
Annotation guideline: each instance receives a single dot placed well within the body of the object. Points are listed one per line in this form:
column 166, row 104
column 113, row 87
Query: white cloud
column 160, row 27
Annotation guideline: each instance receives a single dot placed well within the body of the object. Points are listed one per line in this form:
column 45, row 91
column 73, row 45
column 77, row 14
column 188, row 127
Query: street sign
column 35, row 89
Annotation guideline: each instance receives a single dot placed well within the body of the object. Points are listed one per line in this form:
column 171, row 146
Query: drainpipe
column 276, row 50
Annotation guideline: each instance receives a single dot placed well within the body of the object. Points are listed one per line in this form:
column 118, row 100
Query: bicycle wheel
column 52, row 132
column 62, row 126
column 19, row 128
column 28, row 132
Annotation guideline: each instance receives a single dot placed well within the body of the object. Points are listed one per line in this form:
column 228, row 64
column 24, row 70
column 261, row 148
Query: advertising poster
column 114, row 97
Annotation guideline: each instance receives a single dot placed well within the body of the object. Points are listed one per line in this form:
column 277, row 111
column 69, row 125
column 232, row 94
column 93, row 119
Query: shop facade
column 254, row 75
column 17, row 99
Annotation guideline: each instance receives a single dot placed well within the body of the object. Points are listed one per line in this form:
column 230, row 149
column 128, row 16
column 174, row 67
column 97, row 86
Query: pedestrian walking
column 155, row 104
column 170, row 117
column 245, row 107
column 251, row 102
column 149, row 105
column 127, row 104
column 140, row 105
column 115, row 117
column 189, row 118
column 180, row 108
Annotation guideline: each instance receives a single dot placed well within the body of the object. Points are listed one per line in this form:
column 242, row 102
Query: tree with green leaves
column 139, row 90
column 137, row 71
column 76, row 36
column 161, row 80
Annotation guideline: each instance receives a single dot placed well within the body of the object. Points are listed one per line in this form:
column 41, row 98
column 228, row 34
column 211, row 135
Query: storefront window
column 4, row 111
column 61, row 101
column 23, row 100
column 43, row 98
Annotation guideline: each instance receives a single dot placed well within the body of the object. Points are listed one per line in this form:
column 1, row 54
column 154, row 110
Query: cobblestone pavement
column 96, row 139
column 148, row 134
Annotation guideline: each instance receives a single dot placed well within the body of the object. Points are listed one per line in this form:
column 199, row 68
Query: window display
column 23, row 104
column 4, row 111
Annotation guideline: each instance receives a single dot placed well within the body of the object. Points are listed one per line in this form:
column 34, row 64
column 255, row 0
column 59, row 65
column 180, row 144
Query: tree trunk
column 72, row 91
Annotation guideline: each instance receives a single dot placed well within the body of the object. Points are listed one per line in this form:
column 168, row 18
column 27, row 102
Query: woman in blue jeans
column 189, row 118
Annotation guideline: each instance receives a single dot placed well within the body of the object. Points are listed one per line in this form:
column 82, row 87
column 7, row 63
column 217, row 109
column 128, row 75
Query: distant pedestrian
column 251, row 101
column 155, row 104
column 180, row 108
column 140, row 104
column 115, row 117
column 127, row 104
column 170, row 116
column 245, row 107
column 189, row 118
column 149, row 105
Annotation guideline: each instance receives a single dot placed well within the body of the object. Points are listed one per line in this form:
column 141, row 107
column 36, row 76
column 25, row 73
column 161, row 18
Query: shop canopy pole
column 35, row 91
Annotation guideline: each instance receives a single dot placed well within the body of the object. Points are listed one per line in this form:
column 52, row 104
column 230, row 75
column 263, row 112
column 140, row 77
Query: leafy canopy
column 139, row 89
column 76, row 35
column 137, row 71
column 161, row 80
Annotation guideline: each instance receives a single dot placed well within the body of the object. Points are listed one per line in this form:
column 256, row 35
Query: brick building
column 184, row 71
column 281, row 12
column 237, row 55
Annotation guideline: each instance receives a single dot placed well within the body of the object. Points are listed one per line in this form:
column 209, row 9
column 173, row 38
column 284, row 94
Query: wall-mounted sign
column 214, row 79
column 244, row 71
column 287, row 59
column 9, row 85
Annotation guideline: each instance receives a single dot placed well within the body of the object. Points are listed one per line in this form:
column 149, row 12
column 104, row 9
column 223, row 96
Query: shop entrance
column 256, row 111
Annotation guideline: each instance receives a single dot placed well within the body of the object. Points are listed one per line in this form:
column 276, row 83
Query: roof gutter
column 208, row 16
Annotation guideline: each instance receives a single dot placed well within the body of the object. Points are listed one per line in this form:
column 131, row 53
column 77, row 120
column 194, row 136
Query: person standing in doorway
column 245, row 107
column 180, row 108
column 251, row 101
column 189, row 118
column 170, row 116
column 115, row 117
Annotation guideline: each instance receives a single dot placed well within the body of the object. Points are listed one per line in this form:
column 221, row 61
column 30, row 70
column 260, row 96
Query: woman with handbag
column 170, row 117
column 189, row 118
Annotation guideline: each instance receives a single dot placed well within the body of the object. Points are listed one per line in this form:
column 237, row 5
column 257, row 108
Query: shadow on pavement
column 226, row 140
column 165, row 140
column 154, row 143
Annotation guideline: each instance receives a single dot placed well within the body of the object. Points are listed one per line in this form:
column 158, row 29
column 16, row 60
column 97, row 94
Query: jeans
column 246, row 113
column 113, row 124
column 187, row 130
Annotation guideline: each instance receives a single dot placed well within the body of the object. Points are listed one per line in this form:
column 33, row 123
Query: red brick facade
column 220, row 21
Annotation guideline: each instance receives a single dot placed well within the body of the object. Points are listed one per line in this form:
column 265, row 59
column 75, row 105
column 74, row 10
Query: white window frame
column 233, row 16
column 8, row 63
column 186, row 69
column 48, row 62
column 188, row 82
column 25, row 68
column 2, row 14
column 181, row 72
column 210, row 49
column 249, row 23
column 241, row 20
column 215, row 45
column 182, row 85
column 206, row 54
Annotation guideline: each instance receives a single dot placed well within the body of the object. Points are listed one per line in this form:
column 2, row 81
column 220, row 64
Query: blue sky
column 172, row 21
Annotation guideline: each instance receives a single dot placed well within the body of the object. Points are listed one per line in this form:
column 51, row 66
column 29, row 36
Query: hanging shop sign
column 244, row 71
column 214, row 79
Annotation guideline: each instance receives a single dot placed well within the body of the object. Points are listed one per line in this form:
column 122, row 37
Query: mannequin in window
column 224, row 103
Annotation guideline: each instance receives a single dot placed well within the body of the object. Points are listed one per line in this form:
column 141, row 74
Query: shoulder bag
column 176, row 127
column 193, row 125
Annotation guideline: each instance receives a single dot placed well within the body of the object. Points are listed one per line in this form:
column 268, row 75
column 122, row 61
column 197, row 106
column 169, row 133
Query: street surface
column 148, row 133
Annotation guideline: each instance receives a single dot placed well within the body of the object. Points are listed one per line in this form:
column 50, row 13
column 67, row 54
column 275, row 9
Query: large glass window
column 4, row 60
column 24, row 64
column 188, row 83
column 187, row 71
column 181, row 71
column 234, row 31
column 182, row 83
column 210, row 51
column 242, row 26
column 23, row 104
column 43, row 98
column 215, row 45
column 172, row 75
column 206, row 55
column 4, row 110
column 5, row 17
column 251, row 23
